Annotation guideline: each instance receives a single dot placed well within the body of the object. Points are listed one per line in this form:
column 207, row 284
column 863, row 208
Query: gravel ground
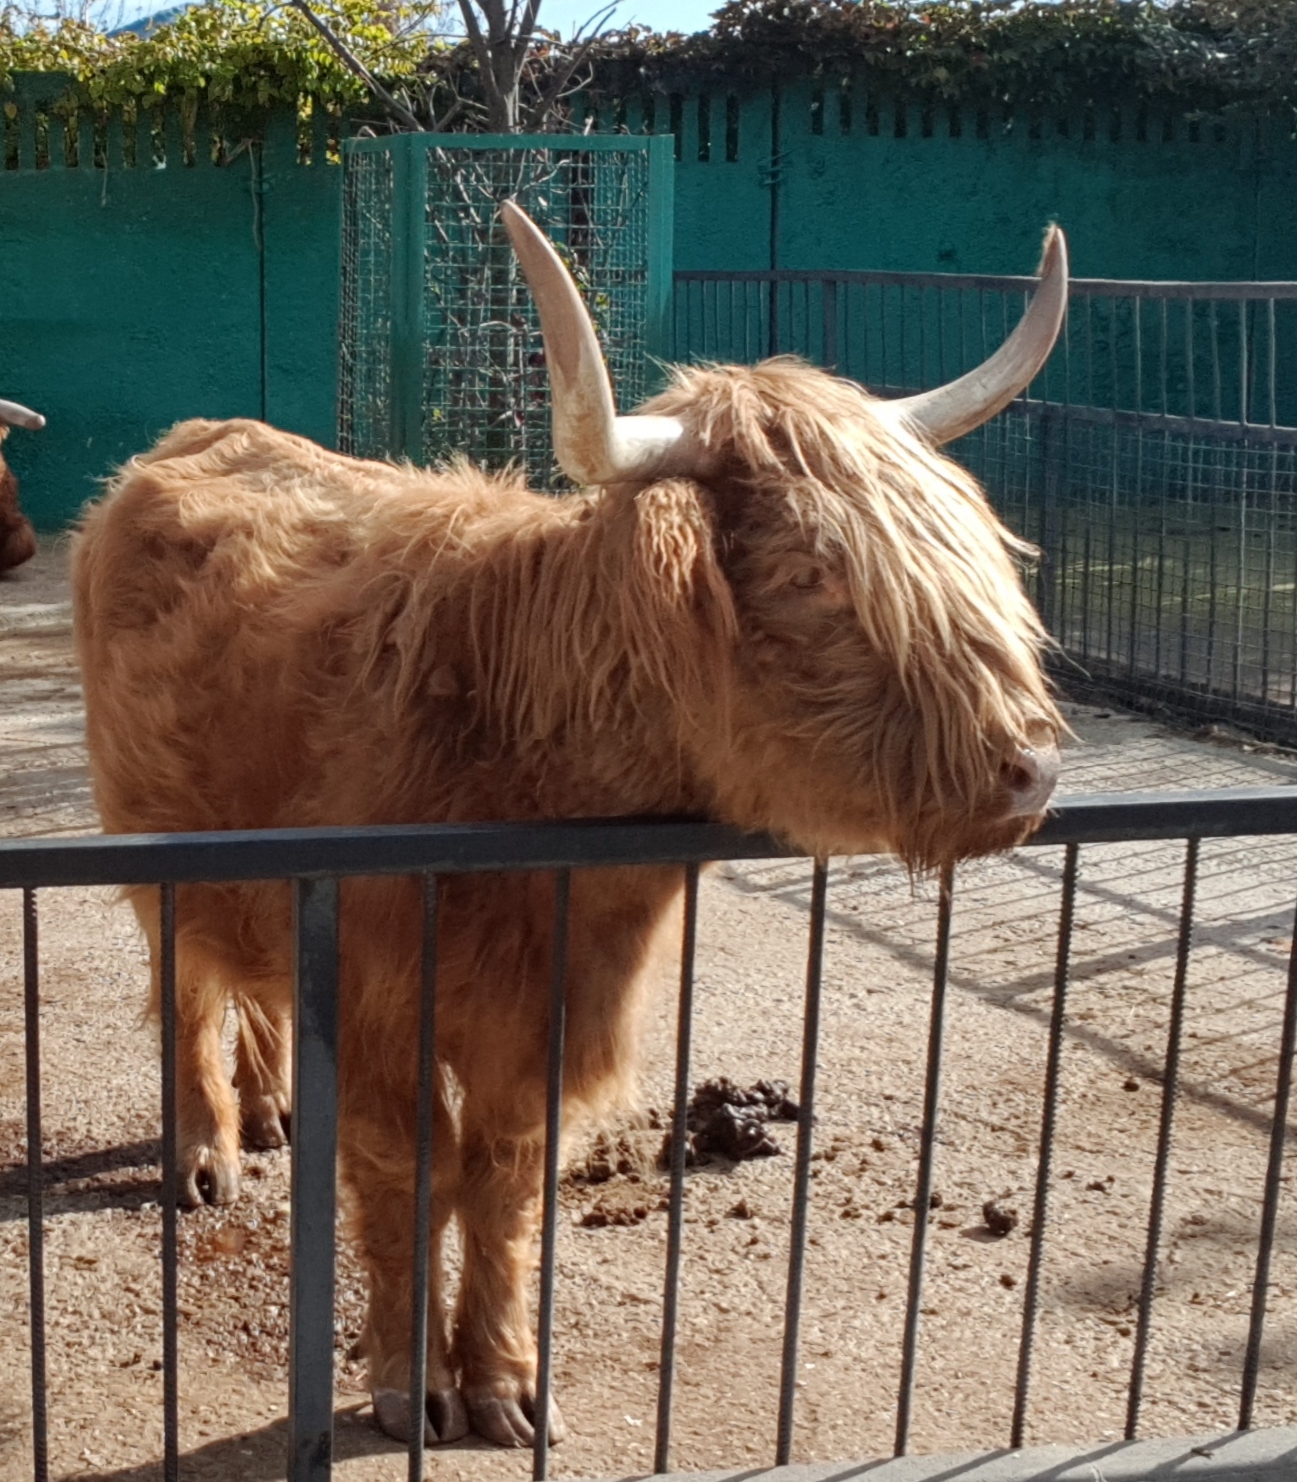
column 101, row 1127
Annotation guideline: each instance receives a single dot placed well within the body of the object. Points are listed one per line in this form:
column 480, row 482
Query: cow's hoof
column 445, row 1418
column 448, row 1414
column 511, row 1422
column 262, row 1124
column 207, row 1178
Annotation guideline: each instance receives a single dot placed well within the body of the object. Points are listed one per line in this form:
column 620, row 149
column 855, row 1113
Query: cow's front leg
column 263, row 1070
column 500, row 1182
column 207, row 1130
column 379, row 1159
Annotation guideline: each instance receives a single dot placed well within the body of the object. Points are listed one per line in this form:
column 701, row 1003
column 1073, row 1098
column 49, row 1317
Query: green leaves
column 1196, row 55
column 233, row 52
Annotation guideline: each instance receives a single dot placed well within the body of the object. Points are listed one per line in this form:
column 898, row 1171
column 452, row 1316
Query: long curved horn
column 592, row 443
column 954, row 409
column 14, row 415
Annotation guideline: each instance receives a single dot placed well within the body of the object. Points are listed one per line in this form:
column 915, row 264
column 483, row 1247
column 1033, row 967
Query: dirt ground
column 101, row 1129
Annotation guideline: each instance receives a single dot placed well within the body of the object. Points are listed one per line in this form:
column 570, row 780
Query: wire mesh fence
column 1153, row 461
column 441, row 351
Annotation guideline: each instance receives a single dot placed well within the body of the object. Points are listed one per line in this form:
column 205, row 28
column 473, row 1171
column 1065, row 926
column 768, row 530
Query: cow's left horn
column 952, row 410
column 14, row 415
column 591, row 442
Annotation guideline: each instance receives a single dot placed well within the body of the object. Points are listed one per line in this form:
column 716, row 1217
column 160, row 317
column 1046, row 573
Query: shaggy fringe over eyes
column 933, row 574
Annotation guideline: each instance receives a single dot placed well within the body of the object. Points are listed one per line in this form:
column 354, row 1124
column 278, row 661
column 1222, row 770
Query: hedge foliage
column 1193, row 55
column 1198, row 55
column 234, row 52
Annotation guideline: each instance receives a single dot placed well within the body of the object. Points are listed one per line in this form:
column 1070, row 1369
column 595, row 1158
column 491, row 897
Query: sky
column 660, row 15
column 556, row 15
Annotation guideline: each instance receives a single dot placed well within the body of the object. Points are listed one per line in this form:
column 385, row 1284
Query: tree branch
column 559, row 82
column 353, row 64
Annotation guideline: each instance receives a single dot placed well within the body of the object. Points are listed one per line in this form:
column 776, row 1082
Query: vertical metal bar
column 776, row 152
column 423, row 1154
column 1242, row 362
column 1170, row 1085
column 802, row 1171
column 883, row 376
column 315, row 1141
column 35, row 1185
column 711, row 292
column 1268, row 576
column 660, row 246
column 1213, row 320
column 1270, row 1203
column 1089, row 352
column 1048, row 1117
column 409, row 221
column 553, row 1131
column 1240, row 589
column 829, row 309
column 676, row 1202
column 927, row 1147
column 170, row 1189
column 1162, row 345
column 1136, row 571
column 1159, row 596
column 923, row 339
column 941, row 337
column 1188, row 356
column 1050, row 565
column 1272, row 367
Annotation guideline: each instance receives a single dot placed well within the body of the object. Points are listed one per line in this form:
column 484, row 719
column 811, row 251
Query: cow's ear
column 677, row 606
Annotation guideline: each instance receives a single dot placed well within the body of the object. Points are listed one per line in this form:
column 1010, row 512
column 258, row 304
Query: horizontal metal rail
column 996, row 283
column 474, row 848
column 315, row 858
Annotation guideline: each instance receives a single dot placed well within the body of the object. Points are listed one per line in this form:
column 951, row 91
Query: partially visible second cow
column 17, row 538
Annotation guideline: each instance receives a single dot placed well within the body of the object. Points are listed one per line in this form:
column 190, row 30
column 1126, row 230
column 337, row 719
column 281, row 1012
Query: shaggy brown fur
column 828, row 639
column 17, row 538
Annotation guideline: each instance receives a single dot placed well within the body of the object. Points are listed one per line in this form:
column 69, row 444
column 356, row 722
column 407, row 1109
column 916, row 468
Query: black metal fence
column 315, row 860
column 1153, row 461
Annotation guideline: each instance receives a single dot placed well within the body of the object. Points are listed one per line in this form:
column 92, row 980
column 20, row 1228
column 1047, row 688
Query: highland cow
column 17, row 538
column 776, row 606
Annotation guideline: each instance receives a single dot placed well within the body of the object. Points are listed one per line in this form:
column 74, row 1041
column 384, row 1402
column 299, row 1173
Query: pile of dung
column 728, row 1121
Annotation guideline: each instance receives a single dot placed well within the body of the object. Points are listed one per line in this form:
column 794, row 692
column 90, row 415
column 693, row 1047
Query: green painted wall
column 133, row 294
column 830, row 178
column 135, row 291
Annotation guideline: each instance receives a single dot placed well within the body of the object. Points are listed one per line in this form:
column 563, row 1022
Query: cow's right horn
column 591, row 442
column 952, row 410
column 14, row 415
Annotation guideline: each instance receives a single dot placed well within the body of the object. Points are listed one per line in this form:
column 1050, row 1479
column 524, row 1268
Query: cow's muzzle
column 1029, row 779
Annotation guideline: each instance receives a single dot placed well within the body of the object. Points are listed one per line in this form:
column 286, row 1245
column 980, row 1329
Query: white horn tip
column 520, row 227
column 14, row 415
column 1053, row 256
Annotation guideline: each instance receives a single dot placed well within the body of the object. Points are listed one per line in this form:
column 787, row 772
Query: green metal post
column 409, row 192
column 661, row 249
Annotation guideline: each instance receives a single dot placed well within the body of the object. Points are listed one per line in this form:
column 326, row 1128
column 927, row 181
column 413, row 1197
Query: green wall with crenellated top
column 153, row 273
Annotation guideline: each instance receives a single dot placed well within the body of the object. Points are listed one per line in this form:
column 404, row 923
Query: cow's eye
column 808, row 580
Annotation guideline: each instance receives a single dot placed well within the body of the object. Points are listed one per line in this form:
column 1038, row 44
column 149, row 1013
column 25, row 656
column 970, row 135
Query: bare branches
column 514, row 86
column 561, row 80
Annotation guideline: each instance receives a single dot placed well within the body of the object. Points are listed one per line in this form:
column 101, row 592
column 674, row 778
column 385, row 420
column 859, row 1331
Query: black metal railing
column 315, row 861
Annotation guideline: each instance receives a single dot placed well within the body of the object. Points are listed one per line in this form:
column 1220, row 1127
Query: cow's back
column 222, row 590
